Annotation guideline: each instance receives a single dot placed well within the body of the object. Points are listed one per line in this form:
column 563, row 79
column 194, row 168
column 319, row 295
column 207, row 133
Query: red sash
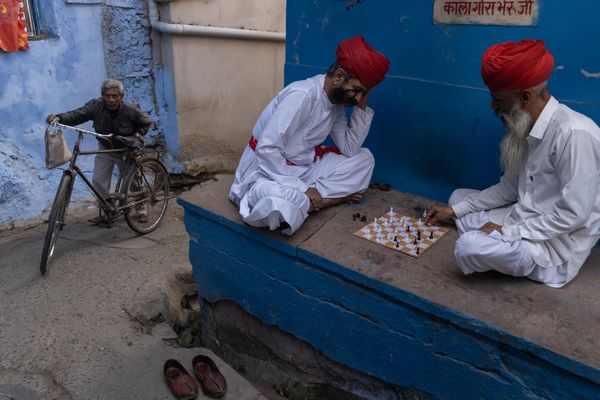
column 320, row 150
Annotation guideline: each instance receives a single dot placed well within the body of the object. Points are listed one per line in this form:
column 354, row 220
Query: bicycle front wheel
column 56, row 220
column 146, row 195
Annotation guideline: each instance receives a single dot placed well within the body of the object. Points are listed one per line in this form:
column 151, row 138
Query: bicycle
column 142, row 188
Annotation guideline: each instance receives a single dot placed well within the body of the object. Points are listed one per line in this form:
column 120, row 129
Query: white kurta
column 556, row 210
column 271, row 180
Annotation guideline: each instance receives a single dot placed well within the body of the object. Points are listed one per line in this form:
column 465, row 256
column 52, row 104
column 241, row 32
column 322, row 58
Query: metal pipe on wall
column 208, row 31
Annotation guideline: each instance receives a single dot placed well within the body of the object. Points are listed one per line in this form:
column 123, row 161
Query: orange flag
column 13, row 27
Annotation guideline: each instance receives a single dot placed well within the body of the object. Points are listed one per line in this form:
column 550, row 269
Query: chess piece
column 431, row 235
column 391, row 210
column 397, row 244
column 363, row 218
column 395, row 238
column 418, row 235
column 417, row 250
column 424, row 213
column 415, row 242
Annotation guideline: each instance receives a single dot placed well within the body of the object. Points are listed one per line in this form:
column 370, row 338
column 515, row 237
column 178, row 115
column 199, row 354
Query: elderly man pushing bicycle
column 110, row 114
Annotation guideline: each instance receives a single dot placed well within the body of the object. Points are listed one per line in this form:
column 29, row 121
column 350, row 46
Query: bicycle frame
column 73, row 169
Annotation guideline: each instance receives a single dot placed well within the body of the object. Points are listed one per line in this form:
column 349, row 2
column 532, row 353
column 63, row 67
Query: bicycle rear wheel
column 56, row 220
column 146, row 195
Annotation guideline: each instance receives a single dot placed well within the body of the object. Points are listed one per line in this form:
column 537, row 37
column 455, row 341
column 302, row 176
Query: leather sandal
column 181, row 383
column 96, row 220
column 386, row 187
column 211, row 380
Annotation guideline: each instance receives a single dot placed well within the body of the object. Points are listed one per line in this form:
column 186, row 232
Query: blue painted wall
column 434, row 130
column 88, row 40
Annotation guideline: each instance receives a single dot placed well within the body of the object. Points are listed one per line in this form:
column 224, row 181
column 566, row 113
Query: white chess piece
column 424, row 213
column 391, row 210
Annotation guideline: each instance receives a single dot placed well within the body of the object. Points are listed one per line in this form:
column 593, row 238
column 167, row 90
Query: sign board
column 486, row 12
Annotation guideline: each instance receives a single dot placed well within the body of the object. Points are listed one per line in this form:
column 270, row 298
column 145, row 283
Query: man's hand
column 50, row 118
column 140, row 136
column 316, row 201
column 362, row 103
column 490, row 227
column 439, row 213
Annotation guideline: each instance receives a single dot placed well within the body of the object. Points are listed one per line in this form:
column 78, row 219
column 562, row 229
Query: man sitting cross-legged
column 285, row 173
column 543, row 218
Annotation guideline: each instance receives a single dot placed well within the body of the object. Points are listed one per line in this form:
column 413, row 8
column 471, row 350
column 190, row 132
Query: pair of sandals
column 184, row 387
column 386, row 187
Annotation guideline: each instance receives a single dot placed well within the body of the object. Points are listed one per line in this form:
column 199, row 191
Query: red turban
column 521, row 65
column 362, row 61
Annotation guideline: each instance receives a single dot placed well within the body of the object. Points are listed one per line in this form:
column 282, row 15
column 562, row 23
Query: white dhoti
column 266, row 203
column 476, row 251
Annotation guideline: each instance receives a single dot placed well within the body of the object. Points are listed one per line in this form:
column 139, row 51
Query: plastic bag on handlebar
column 57, row 151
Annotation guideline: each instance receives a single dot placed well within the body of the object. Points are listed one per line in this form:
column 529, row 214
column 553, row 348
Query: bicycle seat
column 128, row 141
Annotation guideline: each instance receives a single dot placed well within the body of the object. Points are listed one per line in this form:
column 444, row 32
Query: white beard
column 518, row 124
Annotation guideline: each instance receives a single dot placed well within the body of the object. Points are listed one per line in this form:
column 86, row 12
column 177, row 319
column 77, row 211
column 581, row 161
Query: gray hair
column 334, row 67
column 112, row 84
column 539, row 89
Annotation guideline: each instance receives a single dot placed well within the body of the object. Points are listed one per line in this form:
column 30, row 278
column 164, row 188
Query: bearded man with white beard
column 543, row 217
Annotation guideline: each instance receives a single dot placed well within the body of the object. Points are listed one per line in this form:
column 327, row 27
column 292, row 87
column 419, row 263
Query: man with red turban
column 285, row 173
column 543, row 217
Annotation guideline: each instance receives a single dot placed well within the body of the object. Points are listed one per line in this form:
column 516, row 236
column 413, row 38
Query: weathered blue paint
column 433, row 130
column 371, row 326
column 54, row 75
column 89, row 40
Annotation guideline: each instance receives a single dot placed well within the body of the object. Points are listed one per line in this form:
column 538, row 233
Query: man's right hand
column 316, row 201
column 439, row 213
column 50, row 118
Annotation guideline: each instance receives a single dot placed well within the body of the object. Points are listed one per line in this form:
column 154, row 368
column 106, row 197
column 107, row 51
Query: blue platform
column 414, row 323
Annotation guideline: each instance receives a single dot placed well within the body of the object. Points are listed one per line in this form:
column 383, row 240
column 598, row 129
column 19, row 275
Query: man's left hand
column 140, row 136
column 316, row 201
column 362, row 103
column 490, row 227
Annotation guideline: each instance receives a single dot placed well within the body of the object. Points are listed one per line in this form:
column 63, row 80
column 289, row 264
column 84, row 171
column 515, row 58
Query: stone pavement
column 88, row 330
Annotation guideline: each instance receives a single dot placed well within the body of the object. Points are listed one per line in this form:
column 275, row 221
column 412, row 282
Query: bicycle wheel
column 56, row 220
column 146, row 195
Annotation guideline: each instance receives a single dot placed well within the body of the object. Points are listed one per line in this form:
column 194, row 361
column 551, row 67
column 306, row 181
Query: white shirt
column 556, row 207
column 299, row 118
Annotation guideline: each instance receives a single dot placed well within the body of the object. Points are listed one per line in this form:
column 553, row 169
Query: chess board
column 399, row 232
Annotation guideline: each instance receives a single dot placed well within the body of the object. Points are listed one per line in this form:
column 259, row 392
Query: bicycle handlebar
column 55, row 123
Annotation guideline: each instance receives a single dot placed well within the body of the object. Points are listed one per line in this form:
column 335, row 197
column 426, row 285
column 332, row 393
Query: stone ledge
column 411, row 322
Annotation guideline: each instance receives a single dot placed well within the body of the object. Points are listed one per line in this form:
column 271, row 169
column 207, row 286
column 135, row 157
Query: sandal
column 386, row 187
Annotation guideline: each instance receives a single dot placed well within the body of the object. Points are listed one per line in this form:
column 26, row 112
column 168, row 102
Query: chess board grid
column 404, row 238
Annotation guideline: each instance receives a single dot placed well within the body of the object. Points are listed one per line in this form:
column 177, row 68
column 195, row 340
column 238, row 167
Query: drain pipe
column 209, row 31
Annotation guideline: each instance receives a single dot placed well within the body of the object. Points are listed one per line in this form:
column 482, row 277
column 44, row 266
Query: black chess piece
column 431, row 235
column 395, row 238
column 354, row 218
column 397, row 244
column 418, row 235
column 417, row 250
column 363, row 218
column 415, row 242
